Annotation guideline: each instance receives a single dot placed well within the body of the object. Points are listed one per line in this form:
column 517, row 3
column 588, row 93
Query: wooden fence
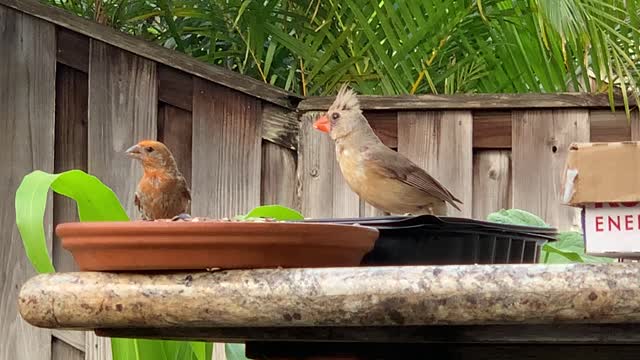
column 75, row 95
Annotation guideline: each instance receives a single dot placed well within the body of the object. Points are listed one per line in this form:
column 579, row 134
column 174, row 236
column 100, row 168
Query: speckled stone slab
column 376, row 296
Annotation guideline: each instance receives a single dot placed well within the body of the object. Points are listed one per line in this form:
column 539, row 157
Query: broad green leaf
column 95, row 201
column 516, row 217
column 201, row 350
column 124, row 349
column 569, row 248
column 276, row 212
column 235, row 352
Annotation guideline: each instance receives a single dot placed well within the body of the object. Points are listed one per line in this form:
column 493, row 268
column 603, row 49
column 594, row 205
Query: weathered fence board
column 226, row 149
column 385, row 125
column 70, row 153
column 122, row 110
column 278, row 184
column 325, row 193
column 70, row 148
column 441, row 143
column 608, row 126
column 72, row 49
column 491, row 182
column 492, row 129
column 541, row 140
column 175, row 87
column 469, row 102
column 175, row 130
column 367, row 210
column 97, row 348
column 280, row 126
column 73, row 338
column 60, row 350
column 27, row 108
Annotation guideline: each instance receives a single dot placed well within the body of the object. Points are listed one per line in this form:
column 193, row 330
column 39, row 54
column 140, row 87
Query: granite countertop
column 337, row 297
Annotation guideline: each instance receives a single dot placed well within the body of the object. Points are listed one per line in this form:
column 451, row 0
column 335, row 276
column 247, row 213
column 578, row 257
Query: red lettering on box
column 628, row 222
column 630, row 204
column 599, row 223
column 614, row 223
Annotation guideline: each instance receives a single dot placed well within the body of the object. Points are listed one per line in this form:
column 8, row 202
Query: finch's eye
column 149, row 149
column 335, row 116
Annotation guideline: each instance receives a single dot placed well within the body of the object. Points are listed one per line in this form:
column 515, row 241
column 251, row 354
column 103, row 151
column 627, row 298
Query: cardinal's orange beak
column 323, row 124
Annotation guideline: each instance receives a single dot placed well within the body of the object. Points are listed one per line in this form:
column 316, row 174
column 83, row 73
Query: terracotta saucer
column 141, row 245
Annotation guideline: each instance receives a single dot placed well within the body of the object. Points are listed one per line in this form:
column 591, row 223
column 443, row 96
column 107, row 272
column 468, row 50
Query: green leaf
column 96, row 202
column 124, row 349
column 569, row 248
column 235, row 352
column 516, row 217
column 276, row 212
column 201, row 350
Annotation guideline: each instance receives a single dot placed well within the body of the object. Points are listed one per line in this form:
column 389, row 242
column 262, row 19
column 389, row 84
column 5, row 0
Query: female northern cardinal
column 380, row 176
column 162, row 192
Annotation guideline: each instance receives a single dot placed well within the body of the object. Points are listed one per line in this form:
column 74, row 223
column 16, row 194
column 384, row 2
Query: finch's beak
column 323, row 124
column 134, row 151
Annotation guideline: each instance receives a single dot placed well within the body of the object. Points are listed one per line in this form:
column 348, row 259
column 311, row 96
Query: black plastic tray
column 432, row 240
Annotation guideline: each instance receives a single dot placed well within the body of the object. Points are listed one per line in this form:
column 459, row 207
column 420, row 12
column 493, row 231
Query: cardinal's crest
column 346, row 100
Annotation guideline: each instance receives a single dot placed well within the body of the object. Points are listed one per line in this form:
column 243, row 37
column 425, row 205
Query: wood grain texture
column 441, row 143
column 280, row 126
column 175, row 130
column 540, row 144
column 492, row 129
column 491, row 182
column 385, row 125
column 279, row 185
column 468, row 102
column 60, row 350
column 608, row 126
column 325, row 193
column 97, row 348
column 72, row 49
column 175, row 87
column 27, row 108
column 123, row 102
column 70, row 148
column 226, row 149
column 154, row 52
column 367, row 210
column 73, row 338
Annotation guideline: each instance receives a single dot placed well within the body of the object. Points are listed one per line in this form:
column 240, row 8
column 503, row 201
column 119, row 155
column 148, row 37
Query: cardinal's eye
column 149, row 149
column 335, row 116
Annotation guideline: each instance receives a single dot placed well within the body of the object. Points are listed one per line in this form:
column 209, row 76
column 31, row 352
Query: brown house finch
column 380, row 176
column 162, row 192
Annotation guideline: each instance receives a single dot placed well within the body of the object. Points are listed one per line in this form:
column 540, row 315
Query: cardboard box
column 604, row 180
